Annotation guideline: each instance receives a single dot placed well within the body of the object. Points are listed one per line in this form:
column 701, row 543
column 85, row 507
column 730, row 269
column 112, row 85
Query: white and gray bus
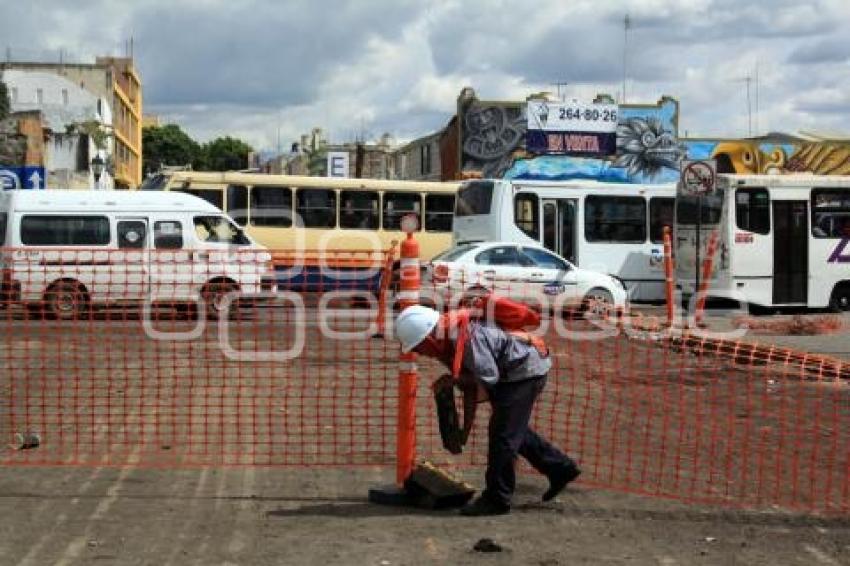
column 783, row 240
column 608, row 227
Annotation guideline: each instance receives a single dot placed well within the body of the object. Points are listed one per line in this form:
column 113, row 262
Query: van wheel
column 597, row 303
column 840, row 299
column 214, row 297
column 66, row 300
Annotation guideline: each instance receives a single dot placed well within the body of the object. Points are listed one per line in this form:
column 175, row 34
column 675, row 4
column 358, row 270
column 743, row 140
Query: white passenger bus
column 783, row 240
column 613, row 228
column 68, row 251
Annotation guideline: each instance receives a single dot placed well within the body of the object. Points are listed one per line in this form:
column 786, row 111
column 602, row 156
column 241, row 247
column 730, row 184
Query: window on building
column 527, row 215
column 64, row 97
column 237, row 203
column 65, row 230
column 168, row 235
column 425, row 159
column 39, row 96
column 14, row 95
column 358, row 210
column 439, row 211
column 831, row 213
column 3, row 217
column 131, row 234
column 752, row 210
column 271, row 206
column 615, row 219
column 661, row 214
column 398, row 205
column 316, row 207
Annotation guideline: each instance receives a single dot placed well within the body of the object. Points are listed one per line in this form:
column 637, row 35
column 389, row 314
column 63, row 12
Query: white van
column 66, row 252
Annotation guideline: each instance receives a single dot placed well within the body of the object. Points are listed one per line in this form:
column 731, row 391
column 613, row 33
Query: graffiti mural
column 764, row 157
column 649, row 149
column 493, row 137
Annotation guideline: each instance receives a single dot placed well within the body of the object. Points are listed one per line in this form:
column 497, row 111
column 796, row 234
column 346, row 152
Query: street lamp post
column 97, row 169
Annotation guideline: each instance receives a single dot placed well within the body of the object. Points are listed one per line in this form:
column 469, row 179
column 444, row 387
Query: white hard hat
column 414, row 324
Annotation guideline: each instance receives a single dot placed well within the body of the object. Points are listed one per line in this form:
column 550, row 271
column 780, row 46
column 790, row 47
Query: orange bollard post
column 386, row 278
column 668, row 276
column 707, row 267
column 408, row 295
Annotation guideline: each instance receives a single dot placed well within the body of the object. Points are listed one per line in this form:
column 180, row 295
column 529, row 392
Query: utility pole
column 627, row 24
column 757, row 97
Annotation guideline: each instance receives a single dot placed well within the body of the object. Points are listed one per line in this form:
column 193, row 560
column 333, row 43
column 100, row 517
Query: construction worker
column 512, row 371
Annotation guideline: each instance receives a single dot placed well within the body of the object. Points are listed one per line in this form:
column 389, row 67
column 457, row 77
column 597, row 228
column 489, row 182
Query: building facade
column 74, row 128
column 115, row 80
column 419, row 160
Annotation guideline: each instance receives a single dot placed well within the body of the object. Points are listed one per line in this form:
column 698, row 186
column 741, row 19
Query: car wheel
column 840, row 299
column 598, row 303
column 66, row 300
column 214, row 295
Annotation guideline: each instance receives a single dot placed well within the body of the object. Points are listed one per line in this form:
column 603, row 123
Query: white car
column 531, row 274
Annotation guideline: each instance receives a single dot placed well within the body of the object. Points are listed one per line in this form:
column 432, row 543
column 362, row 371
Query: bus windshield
column 474, row 198
column 688, row 205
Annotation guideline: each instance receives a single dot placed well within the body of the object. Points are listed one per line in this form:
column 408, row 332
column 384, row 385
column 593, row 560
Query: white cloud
column 253, row 68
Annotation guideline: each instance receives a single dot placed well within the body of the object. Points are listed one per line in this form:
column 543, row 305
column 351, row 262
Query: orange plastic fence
column 221, row 368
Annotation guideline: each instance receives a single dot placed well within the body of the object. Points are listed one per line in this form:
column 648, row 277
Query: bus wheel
column 598, row 303
column 840, row 299
column 214, row 295
column 66, row 300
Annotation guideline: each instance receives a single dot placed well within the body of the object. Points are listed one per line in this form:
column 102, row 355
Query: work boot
column 559, row 480
column 484, row 506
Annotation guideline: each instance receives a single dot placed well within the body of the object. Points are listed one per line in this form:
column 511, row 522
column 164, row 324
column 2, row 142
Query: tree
column 169, row 145
column 5, row 103
column 226, row 154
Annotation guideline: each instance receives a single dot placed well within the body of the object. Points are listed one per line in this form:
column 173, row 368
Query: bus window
column 271, row 206
column 614, row 219
column 65, row 230
column 474, row 198
column 168, row 235
column 397, row 205
column 439, row 210
column 3, row 217
column 316, row 207
column 752, row 210
column 661, row 213
column 527, row 215
column 212, row 196
column 218, row 230
column 831, row 213
column 687, row 205
column 358, row 209
column 131, row 234
column 237, row 203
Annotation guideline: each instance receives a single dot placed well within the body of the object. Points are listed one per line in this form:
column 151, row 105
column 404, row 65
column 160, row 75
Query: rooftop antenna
column 561, row 96
column 748, row 80
column 627, row 25
column 757, row 97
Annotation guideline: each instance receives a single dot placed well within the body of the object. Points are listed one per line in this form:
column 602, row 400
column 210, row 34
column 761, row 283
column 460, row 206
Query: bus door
column 790, row 251
column 130, row 276
column 559, row 223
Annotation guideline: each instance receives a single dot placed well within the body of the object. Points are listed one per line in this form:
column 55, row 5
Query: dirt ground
column 252, row 516
column 270, row 462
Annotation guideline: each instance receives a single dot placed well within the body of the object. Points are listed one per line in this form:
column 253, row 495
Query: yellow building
column 126, row 120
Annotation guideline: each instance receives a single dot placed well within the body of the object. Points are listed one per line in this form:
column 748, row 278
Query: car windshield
column 452, row 254
column 219, row 230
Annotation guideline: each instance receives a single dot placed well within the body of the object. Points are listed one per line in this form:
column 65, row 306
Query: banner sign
column 337, row 164
column 572, row 128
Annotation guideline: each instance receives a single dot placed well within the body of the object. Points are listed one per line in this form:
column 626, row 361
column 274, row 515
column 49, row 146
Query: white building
column 70, row 114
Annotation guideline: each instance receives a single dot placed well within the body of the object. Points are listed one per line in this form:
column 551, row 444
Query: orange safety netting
column 135, row 358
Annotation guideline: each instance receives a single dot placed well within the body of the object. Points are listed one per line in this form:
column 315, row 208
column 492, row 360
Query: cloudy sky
column 259, row 69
